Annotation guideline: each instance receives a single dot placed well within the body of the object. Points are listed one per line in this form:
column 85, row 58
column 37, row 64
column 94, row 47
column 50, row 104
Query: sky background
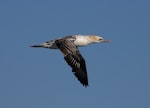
column 119, row 71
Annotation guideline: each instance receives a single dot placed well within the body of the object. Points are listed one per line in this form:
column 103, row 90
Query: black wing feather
column 74, row 59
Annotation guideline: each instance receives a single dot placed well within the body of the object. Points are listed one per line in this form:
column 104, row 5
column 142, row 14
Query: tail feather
column 37, row 45
column 49, row 44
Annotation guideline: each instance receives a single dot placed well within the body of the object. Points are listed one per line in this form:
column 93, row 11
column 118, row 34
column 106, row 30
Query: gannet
column 68, row 45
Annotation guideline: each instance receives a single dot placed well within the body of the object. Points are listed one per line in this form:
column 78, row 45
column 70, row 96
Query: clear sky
column 119, row 72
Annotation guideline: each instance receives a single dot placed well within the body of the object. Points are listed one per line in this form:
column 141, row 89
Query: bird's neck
column 82, row 41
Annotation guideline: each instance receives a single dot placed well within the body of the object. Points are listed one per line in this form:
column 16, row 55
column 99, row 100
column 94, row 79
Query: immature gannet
column 68, row 45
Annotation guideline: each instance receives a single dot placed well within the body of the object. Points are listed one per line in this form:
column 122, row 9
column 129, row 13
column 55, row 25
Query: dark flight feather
column 74, row 59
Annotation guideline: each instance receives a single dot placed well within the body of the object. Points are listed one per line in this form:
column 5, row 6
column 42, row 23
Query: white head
column 97, row 39
column 83, row 40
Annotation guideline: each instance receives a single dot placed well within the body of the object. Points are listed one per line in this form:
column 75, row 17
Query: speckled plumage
column 68, row 46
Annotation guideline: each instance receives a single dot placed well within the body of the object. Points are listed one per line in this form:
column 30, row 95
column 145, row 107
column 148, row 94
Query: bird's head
column 97, row 39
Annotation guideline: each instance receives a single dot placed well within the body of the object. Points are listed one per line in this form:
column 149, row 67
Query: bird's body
column 68, row 46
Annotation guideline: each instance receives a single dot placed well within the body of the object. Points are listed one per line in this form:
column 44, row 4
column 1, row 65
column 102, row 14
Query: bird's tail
column 40, row 45
column 49, row 44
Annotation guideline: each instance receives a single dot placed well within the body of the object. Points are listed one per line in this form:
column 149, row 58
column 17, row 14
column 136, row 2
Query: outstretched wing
column 74, row 59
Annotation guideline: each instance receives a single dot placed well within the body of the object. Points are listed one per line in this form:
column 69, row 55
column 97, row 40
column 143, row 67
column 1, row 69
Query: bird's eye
column 100, row 39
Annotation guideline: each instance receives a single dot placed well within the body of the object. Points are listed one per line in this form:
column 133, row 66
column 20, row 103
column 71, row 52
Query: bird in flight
column 68, row 45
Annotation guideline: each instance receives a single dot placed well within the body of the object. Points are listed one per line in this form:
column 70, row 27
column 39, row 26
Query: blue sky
column 118, row 71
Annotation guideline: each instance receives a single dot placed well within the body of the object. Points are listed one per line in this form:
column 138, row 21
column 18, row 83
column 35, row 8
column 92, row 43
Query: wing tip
column 83, row 81
column 85, row 85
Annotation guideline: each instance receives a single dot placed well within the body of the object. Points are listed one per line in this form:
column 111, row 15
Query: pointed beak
column 105, row 40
